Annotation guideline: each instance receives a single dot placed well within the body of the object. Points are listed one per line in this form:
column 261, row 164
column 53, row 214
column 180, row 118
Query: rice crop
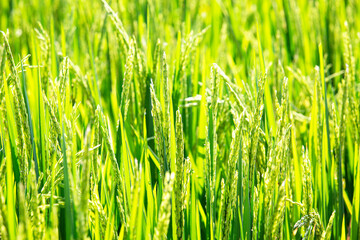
column 164, row 119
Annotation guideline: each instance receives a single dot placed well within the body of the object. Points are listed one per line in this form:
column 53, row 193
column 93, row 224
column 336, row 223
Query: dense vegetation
column 157, row 119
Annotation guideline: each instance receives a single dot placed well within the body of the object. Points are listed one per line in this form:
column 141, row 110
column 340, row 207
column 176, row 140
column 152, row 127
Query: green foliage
column 179, row 119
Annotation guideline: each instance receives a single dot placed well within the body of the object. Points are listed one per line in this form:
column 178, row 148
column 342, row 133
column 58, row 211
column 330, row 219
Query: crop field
column 179, row 119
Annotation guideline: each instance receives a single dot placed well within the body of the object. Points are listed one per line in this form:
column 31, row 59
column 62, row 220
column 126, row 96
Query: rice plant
column 154, row 119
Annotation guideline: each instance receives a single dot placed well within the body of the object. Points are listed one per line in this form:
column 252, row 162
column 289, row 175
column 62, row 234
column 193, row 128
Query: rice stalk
column 165, row 208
